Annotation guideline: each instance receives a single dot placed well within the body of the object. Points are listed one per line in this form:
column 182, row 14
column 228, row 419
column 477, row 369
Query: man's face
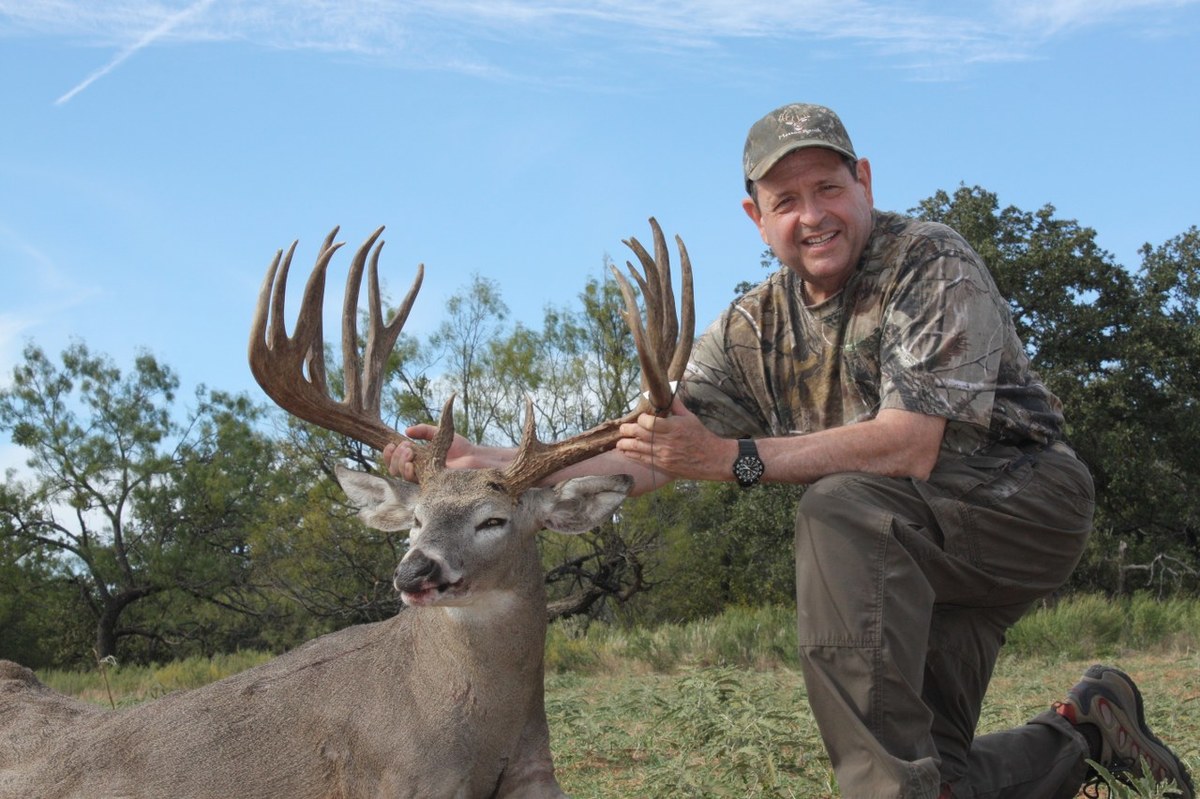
column 815, row 216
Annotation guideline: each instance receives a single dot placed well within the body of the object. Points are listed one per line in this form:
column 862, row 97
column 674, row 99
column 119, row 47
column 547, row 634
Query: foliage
column 720, row 546
column 1091, row 624
column 144, row 518
column 759, row 637
column 1127, row 786
column 748, row 742
column 131, row 684
column 38, row 633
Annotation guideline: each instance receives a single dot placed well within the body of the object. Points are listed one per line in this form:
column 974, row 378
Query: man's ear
column 750, row 206
column 864, row 178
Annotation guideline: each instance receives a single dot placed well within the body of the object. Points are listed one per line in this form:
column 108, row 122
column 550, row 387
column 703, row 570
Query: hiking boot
column 1107, row 698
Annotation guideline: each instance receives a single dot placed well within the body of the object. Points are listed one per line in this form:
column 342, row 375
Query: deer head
column 461, row 522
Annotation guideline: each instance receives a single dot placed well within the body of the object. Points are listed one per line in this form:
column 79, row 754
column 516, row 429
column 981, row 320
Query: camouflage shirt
column 920, row 326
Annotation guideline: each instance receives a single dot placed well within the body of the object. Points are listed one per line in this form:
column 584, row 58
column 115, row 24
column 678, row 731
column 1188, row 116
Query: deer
column 443, row 699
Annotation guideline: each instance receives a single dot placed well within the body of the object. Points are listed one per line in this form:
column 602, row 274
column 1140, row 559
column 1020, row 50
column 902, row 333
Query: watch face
column 747, row 469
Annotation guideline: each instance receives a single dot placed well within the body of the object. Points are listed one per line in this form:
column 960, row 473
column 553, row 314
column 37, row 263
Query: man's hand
column 679, row 445
column 398, row 456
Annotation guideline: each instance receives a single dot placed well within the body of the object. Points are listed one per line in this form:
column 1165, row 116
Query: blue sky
column 154, row 155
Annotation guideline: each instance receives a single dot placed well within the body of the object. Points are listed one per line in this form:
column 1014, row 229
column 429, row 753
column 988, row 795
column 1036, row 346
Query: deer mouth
column 431, row 593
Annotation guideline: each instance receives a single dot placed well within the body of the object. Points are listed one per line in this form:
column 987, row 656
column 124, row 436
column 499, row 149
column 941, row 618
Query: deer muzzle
column 422, row 580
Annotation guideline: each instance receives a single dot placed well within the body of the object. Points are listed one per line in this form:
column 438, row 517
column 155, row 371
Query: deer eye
column 491, row 524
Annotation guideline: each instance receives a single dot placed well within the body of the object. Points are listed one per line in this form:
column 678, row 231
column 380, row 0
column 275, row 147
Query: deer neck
column 499, row 629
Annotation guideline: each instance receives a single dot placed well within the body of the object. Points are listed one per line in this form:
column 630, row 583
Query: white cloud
column 1050, row 17
column 159, row 31
column 456, row 34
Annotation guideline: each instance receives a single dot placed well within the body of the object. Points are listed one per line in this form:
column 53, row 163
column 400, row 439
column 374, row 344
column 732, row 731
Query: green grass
column 716, row 708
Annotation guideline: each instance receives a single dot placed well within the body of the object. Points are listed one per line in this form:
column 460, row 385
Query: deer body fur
column 442, row 700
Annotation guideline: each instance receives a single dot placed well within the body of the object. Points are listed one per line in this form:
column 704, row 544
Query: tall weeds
column 764, row 638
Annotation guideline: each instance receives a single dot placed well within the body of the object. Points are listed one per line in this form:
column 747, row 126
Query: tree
column 718, row 546
column 1139, row 419
column 125, row 504
column 474, row 320
column 34, row 633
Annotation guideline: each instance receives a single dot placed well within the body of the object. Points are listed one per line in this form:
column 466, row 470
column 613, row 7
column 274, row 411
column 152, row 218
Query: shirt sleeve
column 715, row 388
column 943, row 335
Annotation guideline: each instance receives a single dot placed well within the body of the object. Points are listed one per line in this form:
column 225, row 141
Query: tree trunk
column 110, row 615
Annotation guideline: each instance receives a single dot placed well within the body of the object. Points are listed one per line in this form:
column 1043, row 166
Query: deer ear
column 384, row 503
column 579, row 504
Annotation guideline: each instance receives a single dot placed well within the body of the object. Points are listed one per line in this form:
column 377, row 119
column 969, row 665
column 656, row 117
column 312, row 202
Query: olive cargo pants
column 904, row 592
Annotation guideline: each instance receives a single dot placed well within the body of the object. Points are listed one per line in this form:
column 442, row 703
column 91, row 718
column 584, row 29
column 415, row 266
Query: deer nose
column 416, row 571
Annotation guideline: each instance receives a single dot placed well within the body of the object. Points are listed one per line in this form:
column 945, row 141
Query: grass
column 723, row 731
column 716, row 708
column 130, row 685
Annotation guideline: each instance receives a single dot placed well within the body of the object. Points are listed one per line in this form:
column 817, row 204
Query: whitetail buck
column 443, row 700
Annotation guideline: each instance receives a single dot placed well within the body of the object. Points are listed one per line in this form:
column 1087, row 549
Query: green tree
column 720, row 546
column 474, row 320
column 33, row 632
column 131, row 508
column 1138, row 422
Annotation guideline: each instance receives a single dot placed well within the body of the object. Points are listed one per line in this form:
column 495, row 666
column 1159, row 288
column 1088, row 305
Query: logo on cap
column 797, row 118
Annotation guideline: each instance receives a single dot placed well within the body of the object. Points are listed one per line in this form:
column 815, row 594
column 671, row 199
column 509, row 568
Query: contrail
column 167, row 25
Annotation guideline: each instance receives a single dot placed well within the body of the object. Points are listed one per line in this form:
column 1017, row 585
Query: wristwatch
column 748, row 467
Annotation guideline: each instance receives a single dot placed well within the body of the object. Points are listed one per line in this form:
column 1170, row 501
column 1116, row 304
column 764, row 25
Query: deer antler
column 291, row 369
column 663, row 331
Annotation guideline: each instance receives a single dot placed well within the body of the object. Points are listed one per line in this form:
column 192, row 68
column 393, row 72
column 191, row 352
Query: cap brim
column 765, row 164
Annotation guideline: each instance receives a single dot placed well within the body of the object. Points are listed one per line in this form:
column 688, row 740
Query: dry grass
column 724, row 732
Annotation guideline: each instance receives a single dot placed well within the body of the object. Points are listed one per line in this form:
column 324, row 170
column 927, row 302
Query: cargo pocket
column 960, row 485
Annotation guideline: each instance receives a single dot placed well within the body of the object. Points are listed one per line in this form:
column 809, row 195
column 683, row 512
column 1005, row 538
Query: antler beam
column 664, row 344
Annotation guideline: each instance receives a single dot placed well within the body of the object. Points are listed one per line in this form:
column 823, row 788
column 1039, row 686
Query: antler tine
column 382, row 338
column 351, row 362
column 431, row 459
column 309, row 324
column 662, row 325
column 291, row 369
column 687, row 321
column 268, row 330
column 534, row 459
column 651, row 382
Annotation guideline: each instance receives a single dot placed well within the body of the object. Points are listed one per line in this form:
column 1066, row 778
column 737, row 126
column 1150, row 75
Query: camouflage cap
column 789, row 128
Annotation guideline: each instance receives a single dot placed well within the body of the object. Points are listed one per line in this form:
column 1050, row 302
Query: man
column 881, row 369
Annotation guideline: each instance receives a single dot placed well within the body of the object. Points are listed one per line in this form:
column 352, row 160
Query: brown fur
column 443, row 700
